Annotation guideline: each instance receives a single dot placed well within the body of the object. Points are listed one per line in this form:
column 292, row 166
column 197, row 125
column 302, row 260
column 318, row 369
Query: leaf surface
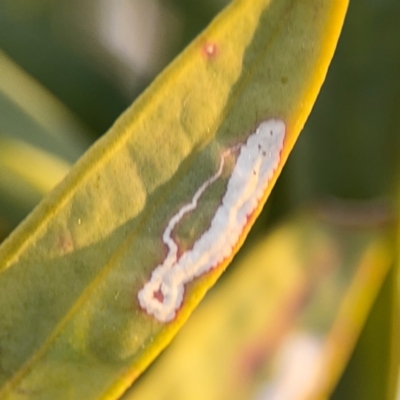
column 71, row 325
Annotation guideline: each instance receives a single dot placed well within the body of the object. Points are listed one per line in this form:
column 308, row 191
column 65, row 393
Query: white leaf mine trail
column 258, row 158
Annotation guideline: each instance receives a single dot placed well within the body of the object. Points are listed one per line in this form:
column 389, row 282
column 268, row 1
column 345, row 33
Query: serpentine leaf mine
column 258, row 158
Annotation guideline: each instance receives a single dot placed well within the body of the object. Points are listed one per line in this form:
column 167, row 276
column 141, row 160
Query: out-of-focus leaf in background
column 283, row 323
column 349, row 150
column 39, row 139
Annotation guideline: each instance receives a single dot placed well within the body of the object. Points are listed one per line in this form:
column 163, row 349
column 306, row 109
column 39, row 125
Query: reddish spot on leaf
column 210, row 50
column 65, row 243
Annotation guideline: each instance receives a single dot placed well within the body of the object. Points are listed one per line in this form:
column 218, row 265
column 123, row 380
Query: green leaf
column 372, row 371
column 39, row 139
column 71, row 325
column 32, row 114
column 285, row 320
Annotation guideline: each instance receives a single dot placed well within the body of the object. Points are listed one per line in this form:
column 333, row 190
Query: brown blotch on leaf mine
column 158, row 295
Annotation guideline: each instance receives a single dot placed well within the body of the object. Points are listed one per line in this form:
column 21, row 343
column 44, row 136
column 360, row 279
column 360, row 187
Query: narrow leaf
column 39, row 139
column 32, row 114
column 81, row 312
column 283, row 323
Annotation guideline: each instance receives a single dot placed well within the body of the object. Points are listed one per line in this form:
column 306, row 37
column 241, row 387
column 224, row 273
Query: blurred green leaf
column 284, row 323
column 30, row 113
column 373, row 368
column 39, row 139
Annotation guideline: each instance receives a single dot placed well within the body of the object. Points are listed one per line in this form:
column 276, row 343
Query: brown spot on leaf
column 210, row 50
column 65, row 243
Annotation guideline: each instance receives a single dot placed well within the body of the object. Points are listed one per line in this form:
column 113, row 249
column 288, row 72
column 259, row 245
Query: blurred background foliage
column 68, row 69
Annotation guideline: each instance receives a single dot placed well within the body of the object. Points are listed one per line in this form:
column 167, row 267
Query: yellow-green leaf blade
column 71, row 273
column 283, row 322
